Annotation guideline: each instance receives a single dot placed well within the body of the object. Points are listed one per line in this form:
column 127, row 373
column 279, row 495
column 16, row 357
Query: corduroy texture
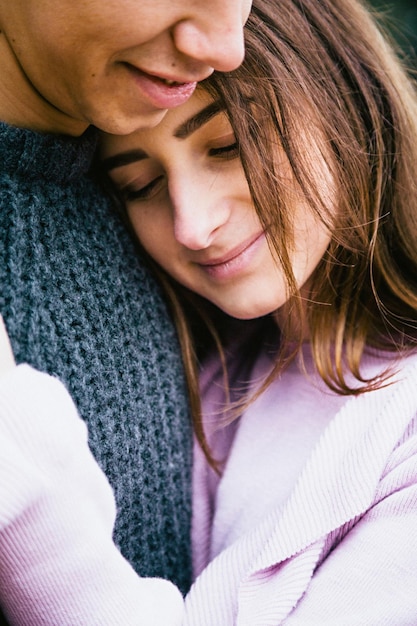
column 341, row 548
column 78, row 304
column 55, row 500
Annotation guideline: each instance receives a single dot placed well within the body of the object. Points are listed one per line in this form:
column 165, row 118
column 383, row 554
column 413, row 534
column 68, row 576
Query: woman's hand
column 7, row 361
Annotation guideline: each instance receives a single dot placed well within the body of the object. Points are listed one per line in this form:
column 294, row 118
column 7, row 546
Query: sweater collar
column 57, row 159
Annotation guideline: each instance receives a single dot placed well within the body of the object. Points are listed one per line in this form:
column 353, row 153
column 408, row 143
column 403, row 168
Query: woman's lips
column 162, row 93
column 235, row 261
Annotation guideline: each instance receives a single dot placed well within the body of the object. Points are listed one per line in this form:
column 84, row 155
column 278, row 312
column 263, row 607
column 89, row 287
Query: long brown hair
column 323, row 68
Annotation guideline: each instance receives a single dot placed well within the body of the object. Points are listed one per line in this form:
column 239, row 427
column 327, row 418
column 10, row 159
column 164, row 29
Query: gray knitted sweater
column 79, row 305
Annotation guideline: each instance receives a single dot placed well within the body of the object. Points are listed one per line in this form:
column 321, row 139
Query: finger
column 7, row 361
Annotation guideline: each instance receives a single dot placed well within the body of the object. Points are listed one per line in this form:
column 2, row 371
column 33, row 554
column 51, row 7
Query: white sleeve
column 58, row 563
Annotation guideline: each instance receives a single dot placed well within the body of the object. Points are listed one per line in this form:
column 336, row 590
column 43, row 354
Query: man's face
column 120, row 64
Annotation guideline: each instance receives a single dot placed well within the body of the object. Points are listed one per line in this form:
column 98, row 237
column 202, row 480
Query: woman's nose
column 215, row 35
column 198, row 213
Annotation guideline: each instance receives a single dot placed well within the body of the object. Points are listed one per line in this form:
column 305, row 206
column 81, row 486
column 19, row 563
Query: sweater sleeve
column 369, row 574
column 58, row 562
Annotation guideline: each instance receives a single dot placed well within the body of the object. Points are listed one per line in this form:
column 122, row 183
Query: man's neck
column 22, row 106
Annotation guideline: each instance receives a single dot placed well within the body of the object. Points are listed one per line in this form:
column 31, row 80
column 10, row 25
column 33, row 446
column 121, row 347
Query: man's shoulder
column 30, row 158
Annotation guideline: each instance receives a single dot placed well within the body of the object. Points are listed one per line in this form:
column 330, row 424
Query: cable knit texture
column 78, row 304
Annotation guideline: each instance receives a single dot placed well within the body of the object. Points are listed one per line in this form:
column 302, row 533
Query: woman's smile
column 236, row 261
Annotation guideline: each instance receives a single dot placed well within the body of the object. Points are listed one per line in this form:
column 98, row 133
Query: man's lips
column 195, row 75
column 164, row 92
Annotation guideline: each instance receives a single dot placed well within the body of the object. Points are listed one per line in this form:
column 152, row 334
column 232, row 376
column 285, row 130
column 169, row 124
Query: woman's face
column 188, row 200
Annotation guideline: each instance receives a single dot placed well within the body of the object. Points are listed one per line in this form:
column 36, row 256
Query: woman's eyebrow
column 123, row 158
column 199, row 119
column 182, row 132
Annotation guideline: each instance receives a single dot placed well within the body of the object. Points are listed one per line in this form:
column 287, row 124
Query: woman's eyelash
column 144, row 193
column 230, row 151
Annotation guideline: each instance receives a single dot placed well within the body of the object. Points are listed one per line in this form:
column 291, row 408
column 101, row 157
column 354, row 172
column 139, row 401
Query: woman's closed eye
column 228, row 149
column 144, row 192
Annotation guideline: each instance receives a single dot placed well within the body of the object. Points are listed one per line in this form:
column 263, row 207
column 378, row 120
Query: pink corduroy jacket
column 342, row 549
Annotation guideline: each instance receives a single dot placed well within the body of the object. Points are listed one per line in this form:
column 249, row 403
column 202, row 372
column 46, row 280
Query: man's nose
column 215, row 35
